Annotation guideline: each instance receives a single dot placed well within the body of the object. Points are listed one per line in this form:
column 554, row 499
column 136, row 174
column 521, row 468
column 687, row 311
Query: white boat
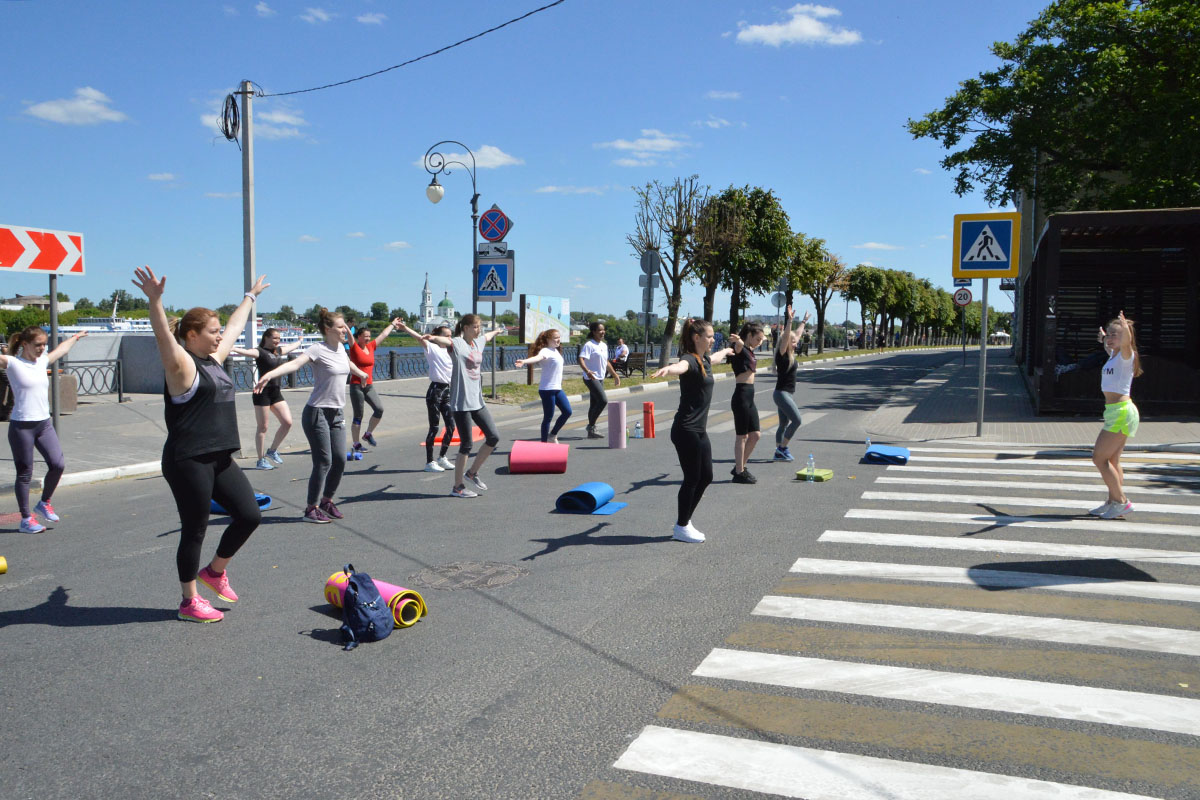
column 124, row 326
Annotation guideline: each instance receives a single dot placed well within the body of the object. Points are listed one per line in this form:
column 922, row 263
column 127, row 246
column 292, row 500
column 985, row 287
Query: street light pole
column 435, row 163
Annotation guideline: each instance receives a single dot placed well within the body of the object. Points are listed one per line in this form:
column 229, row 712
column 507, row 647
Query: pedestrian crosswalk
column 966, row 631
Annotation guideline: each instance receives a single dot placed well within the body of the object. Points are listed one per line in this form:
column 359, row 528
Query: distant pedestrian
column 785, row 386
column 30, row 426
column 202, row 436
column 620, row 359
column 437, row 396
column 746, row 425
column 466, row 400
column 1120, row 414
column 362, row 390
column 593, row 358
column 547, row 351
column 881, row 340
column 267, row 356
column 324, row 417
column 689, row 430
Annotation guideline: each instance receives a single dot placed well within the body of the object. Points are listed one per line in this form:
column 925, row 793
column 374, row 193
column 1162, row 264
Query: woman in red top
column 362, row 355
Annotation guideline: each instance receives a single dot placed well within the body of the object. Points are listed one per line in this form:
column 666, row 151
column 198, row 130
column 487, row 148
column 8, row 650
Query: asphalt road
column 586, row 638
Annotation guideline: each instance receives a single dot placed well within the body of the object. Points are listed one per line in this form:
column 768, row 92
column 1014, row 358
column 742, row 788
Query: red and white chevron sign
column 37, row 250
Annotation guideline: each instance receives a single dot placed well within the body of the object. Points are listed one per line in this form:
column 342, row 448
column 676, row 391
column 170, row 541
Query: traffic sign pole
column 54, row 343
column 982, row 359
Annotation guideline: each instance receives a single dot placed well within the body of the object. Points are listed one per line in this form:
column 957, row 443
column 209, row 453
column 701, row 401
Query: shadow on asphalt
column 1057, row 571
column 585, row 538
column 55, row 611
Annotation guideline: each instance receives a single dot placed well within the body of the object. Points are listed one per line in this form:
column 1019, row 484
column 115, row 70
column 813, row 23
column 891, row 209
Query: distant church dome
column 446, row 302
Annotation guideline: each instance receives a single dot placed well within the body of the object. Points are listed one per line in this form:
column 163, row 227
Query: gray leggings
column 359, row 393
column 23, row 437
column 789, row 416
column 326, row 432
column 482, row 419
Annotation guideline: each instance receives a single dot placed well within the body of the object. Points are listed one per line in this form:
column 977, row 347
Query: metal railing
column 97, row 377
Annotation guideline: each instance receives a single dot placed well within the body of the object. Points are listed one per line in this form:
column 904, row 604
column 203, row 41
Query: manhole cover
column 469, row 575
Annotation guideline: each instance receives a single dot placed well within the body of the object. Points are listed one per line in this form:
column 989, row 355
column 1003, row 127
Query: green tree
column 225, row 310
column 62, row 297
column 349, row 314
column 82, row 303
column 379, row 310
column 720, row 236
column 819, row 274
column 508, row 318
column 759, row 264
column 286, row 313
column 314, row 313
column 1094, row 106
column 630, row 314
column 866, row 285
column 401, row 313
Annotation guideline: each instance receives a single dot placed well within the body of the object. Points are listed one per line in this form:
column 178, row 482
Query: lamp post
column 435, row 162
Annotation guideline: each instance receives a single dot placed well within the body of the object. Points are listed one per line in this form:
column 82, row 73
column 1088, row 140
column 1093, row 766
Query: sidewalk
column 942, row 407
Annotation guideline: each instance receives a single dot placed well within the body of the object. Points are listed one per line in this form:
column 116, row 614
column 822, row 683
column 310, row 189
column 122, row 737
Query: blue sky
column 106, row 123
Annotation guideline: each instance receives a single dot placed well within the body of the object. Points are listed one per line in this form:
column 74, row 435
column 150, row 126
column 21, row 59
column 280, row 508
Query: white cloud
column 279, row 123
column 923, row 171
column 941, row 236
column 371, row 19
column 580, row 286
column 647, row 148
column 805, row 25
column 719, row 95
column 88, row 107
column 877, row 246
column 486, row 157
column 609, row 262
column 570, row 189
column 315, row 15
column 307, row 238
column 356, row 235
column 161, row 176
column 223, row 195
column 264, row 10
column 713, row 122
column 397, row 245
column 230, row 11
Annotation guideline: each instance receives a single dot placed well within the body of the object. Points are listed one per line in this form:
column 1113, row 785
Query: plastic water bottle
column 637, row 430
column 810, row 470
column 868, row 442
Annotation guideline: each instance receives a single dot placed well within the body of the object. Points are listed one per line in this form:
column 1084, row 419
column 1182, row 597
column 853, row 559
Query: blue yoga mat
column 886, row 454
column 263, row 500
column 589, row 498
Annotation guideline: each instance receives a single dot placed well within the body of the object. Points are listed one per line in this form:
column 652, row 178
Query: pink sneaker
column 218, row 583
column 197, row 609
column 330, row 510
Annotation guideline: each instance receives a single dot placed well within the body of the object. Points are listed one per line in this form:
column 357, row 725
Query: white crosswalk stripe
column 1033, row 505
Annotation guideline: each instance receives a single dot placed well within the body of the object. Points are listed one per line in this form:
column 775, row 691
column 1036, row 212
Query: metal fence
column 97, row 377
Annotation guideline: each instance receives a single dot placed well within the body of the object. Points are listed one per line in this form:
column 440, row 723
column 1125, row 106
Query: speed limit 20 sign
column 962, row 297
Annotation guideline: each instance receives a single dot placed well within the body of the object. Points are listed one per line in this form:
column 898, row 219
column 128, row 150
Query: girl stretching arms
column 1120, row 414
column 547, row 350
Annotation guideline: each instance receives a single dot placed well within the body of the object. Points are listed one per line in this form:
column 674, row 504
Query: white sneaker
column 475, row 479
column 463, row 492
column 687, row 534
column 445, row 463
column 1117, row 510
column 1098, row 511
column 433, row 466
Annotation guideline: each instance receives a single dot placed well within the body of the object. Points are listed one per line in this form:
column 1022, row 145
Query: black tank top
column 695, row 395
column 267, row 361
column 207, row 422
column 785, row 379
column 745, row 361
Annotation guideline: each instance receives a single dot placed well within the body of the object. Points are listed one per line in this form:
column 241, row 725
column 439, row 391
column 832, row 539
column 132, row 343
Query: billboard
column 540, row 312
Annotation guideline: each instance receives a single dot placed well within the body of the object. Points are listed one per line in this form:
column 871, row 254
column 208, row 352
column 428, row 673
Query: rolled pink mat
column 537, row 457
column 616, row 424
column 407, row 605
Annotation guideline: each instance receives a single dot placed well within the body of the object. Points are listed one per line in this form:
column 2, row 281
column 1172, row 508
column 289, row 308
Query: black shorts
column 270, row 395
column 745, row 413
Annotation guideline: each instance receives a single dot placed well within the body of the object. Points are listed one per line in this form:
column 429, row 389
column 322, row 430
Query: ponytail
column 691, row 328
column 464, row 321
column 23, row 337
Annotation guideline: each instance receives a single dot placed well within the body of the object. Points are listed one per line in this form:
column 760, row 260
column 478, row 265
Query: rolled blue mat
column 589, row 498
column 886, row 454
column 263, row 500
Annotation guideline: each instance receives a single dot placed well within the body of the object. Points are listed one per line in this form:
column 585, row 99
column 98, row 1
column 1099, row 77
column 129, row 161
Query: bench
column 634, row 361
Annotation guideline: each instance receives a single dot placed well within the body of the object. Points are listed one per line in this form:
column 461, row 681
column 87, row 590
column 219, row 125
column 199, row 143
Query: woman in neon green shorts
column 1120, row 414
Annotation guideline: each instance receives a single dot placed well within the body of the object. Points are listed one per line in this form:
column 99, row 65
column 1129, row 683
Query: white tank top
column 1117, row 375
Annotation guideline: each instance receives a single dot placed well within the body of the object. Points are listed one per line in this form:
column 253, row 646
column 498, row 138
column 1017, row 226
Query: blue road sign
column 496, row 279
column 494, row 224
column 987, row 245
column 962, row 281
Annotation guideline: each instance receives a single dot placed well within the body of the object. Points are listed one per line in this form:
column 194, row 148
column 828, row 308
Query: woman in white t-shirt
column 437, row 396
column 593, row 358
column 323, row 419
column 29, row 425
column 547, row 351
column 1120, row 414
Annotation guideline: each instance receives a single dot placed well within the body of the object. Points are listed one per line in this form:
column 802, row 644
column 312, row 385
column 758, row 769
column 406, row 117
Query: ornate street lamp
column 435, row 163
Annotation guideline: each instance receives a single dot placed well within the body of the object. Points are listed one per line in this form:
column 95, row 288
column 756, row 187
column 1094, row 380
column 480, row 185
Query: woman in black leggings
column 688, row 433
column 202, row 436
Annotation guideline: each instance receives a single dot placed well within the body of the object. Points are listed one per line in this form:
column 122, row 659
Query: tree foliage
column 1094, row 105
column 763, row 258
column 720, row 235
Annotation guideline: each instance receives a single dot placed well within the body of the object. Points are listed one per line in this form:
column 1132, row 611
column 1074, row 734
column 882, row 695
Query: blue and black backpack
column 365, row 617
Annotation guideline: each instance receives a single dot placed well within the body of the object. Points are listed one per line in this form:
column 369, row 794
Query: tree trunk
column 710, row 299
column 862, row 331
column 820, row 329
column 735, row 306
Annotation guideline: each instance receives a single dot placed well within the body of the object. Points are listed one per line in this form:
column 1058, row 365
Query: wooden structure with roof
column 1089, row 265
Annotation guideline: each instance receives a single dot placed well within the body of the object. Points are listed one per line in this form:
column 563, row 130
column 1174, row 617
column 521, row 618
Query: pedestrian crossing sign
column 495, row 282
column 987, row 245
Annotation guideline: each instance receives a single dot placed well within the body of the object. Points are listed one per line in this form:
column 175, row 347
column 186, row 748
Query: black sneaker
column 591, row 434
column 744, row 477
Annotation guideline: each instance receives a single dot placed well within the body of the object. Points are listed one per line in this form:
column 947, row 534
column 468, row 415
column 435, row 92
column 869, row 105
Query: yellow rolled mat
column 407, row 605
column 3, row 565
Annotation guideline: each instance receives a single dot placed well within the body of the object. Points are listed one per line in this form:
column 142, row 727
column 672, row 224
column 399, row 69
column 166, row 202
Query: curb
column 98, row 475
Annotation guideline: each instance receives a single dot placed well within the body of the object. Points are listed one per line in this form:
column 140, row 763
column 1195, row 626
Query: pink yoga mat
column 407, row 605
column 616, row 424
column 537, row 457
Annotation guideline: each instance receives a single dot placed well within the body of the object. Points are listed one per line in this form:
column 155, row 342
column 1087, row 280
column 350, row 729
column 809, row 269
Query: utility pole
column 248, row 269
